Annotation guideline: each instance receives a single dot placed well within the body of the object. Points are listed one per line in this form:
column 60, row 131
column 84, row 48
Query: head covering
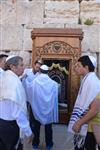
column 93, row 60
column 44, row 67
column 9, row 57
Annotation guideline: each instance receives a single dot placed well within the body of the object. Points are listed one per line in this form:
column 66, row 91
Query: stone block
column 61, row 11
column 30, row 12
column 91, row 38
column 8, row 12
column 11, row 37
column 22, row 11
column 90, row 10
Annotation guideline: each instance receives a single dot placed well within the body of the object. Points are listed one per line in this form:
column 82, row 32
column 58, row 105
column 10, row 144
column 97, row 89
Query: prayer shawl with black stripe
column 89, row 88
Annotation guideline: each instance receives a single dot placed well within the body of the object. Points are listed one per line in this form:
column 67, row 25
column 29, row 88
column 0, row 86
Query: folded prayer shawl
column 11, row 88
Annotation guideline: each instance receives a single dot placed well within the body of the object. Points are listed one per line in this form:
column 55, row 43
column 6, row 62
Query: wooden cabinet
column 60, row 50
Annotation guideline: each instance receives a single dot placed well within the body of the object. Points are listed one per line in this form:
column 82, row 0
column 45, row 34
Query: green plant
column 88, row 22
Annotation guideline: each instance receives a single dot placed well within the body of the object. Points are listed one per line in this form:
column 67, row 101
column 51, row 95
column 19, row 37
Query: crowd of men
column 31, row 91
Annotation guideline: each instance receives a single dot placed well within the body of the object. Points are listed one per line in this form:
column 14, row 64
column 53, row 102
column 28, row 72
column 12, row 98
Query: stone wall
column 19, row 17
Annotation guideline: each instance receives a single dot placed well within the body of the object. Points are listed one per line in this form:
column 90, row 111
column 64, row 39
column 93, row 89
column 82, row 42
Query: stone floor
column 62, row 141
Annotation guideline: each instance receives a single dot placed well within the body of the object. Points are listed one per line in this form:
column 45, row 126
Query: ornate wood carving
column 58, row 48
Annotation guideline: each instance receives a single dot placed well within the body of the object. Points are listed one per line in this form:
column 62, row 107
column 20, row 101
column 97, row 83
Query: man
column 89, row 88
column 2, row 62
column 43, row 98
column 92, row 117
column 28, row 76
column 31, row 73
column 13, row 111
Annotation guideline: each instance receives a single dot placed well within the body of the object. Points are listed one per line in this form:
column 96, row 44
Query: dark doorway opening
column 59, row 71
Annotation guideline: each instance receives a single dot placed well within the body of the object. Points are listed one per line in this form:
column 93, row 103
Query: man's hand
column 30, row 138
column 77, row 126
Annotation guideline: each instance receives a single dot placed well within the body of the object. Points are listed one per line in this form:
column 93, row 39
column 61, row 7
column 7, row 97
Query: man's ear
column 12, row 67
column 86, row 67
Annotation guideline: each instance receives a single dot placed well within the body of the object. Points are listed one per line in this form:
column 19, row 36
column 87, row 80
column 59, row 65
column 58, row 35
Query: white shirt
column 10, row 110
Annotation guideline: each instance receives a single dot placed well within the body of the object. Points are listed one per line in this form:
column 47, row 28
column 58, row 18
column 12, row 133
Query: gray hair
column 12, row 61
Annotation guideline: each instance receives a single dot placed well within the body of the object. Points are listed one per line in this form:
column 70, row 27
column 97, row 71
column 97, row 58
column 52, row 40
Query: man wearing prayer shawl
column 13, row 111
column 29, row 75
column 89, row 88
column 92, row 117
column 43, row 98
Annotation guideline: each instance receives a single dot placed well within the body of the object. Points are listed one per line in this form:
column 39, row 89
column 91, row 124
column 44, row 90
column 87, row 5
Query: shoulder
column 92, row 80
column 27, row 71
column 92, row 75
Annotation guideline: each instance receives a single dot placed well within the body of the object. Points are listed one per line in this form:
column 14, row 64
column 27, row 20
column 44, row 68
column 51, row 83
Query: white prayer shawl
column 1, row 71
column 11, row 88
column 28, row 71
column 30, row 76
column 43, row 97
column 89, row 88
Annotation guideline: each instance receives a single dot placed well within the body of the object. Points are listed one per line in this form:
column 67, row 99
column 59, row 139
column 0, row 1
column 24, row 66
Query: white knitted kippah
column 10, row 56
column 93, row 60
column 44, row 67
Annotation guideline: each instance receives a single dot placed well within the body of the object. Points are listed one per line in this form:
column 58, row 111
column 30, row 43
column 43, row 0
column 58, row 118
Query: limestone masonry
column 19, row 17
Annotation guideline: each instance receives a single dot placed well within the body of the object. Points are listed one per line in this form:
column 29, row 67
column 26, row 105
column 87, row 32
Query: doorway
column 59, row 71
